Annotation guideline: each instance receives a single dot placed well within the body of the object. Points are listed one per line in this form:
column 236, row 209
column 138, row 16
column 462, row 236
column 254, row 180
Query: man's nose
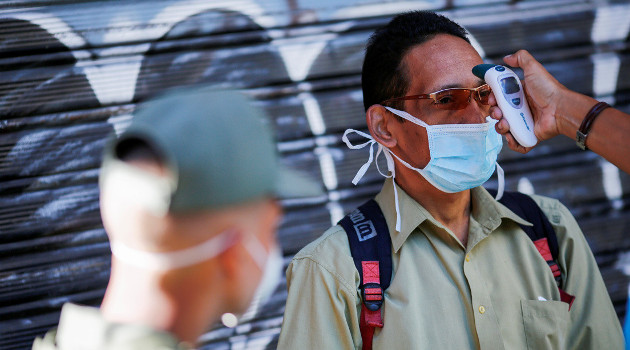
column 475, row 112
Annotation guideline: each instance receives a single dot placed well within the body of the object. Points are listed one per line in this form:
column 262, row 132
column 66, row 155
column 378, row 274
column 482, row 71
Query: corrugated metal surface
column 73, row 71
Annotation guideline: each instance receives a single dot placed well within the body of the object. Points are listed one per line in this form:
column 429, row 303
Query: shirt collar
column 488, row 212
column 412, row 214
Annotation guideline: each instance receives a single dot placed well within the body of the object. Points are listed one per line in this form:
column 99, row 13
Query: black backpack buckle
column 372, row 295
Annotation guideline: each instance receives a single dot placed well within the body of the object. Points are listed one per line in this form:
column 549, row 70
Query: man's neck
column 450, row 209
column 140, row 298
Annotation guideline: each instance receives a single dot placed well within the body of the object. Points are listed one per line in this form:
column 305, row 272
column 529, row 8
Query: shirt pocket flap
column 545, row 323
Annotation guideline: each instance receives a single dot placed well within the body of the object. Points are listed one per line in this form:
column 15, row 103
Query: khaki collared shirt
column 83, row 328
column 496, row 293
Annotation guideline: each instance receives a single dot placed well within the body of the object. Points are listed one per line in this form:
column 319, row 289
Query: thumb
column 521, row 58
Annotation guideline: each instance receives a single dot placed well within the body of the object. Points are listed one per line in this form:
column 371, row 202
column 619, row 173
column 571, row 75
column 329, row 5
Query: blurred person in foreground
column 465, row 271
column 189, row 202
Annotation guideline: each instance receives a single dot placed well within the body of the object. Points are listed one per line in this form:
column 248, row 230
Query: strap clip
column 372, row 294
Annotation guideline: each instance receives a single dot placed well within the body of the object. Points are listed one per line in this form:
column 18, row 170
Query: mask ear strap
column 408, row 117
column 364, row 168
column 380, row 150
column 160, row 261
column 501, row 186
column 384, row 151
column 398, row 216
column 345, row 139
column 257, row 250
column 404, row 163
column 392, row 170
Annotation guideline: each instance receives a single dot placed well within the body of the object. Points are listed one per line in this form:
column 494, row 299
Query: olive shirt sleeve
column 322, row 309
column 593, row 321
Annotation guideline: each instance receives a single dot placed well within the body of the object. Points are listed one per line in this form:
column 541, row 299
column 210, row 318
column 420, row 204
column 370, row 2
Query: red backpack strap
column 542, row 244
column 543, row 248
column 372, row 302
column 541, row 233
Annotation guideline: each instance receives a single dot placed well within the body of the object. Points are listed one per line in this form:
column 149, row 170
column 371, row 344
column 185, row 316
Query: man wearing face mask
column 189, row 202
column 465, row 275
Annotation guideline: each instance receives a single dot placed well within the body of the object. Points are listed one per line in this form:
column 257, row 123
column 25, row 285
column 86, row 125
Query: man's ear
column 378, row 120
column 228, row 261
column 240, row 275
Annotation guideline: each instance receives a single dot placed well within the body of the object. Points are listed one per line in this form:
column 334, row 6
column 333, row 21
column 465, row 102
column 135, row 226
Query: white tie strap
column 364, row 168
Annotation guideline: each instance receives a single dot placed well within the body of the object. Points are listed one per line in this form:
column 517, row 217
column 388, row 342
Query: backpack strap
column 541, row 233
column 370, row 246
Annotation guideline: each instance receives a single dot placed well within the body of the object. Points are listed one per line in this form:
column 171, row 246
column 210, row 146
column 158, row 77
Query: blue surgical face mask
column 463, row 156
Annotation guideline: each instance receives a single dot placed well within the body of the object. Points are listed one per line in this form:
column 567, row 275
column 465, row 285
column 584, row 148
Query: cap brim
column 293, row 184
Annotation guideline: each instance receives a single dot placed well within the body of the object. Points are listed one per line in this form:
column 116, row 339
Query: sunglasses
column 451, row 99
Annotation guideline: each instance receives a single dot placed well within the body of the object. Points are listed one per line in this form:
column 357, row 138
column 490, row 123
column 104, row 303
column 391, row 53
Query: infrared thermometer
column 510, row 97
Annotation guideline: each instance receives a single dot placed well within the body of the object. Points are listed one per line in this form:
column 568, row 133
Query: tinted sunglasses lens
column 452, row 99
column 484, row 94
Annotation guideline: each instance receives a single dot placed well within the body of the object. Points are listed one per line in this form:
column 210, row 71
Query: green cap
column 217, row 147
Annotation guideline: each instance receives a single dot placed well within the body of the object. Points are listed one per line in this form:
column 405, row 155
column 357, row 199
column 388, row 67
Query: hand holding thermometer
column 510, row 97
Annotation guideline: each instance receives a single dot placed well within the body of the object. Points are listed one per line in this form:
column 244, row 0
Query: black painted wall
column 71, row 72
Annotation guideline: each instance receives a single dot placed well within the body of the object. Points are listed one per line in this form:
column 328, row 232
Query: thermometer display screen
column 509, row 85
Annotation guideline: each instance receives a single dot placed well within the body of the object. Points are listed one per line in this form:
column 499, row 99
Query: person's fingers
column 511, row 60
column 521, row 58
column 496, row 113
column 496, row 127
column 492, row 101
column 502, row 126
column 515, row 146
column 524, row 60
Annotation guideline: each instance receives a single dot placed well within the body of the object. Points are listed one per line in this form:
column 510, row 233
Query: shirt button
column 467, row 257
column 482, row 309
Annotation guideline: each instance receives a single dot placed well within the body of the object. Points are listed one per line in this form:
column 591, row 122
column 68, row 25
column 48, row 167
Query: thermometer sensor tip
column 481, row 69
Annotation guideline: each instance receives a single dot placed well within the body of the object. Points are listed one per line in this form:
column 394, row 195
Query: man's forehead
column 444, row 61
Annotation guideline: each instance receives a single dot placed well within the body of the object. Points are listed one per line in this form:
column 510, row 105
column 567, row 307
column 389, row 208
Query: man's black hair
column 135, row 149
column 383, row 75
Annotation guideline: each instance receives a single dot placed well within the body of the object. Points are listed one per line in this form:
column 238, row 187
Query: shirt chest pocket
column 546, row 324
